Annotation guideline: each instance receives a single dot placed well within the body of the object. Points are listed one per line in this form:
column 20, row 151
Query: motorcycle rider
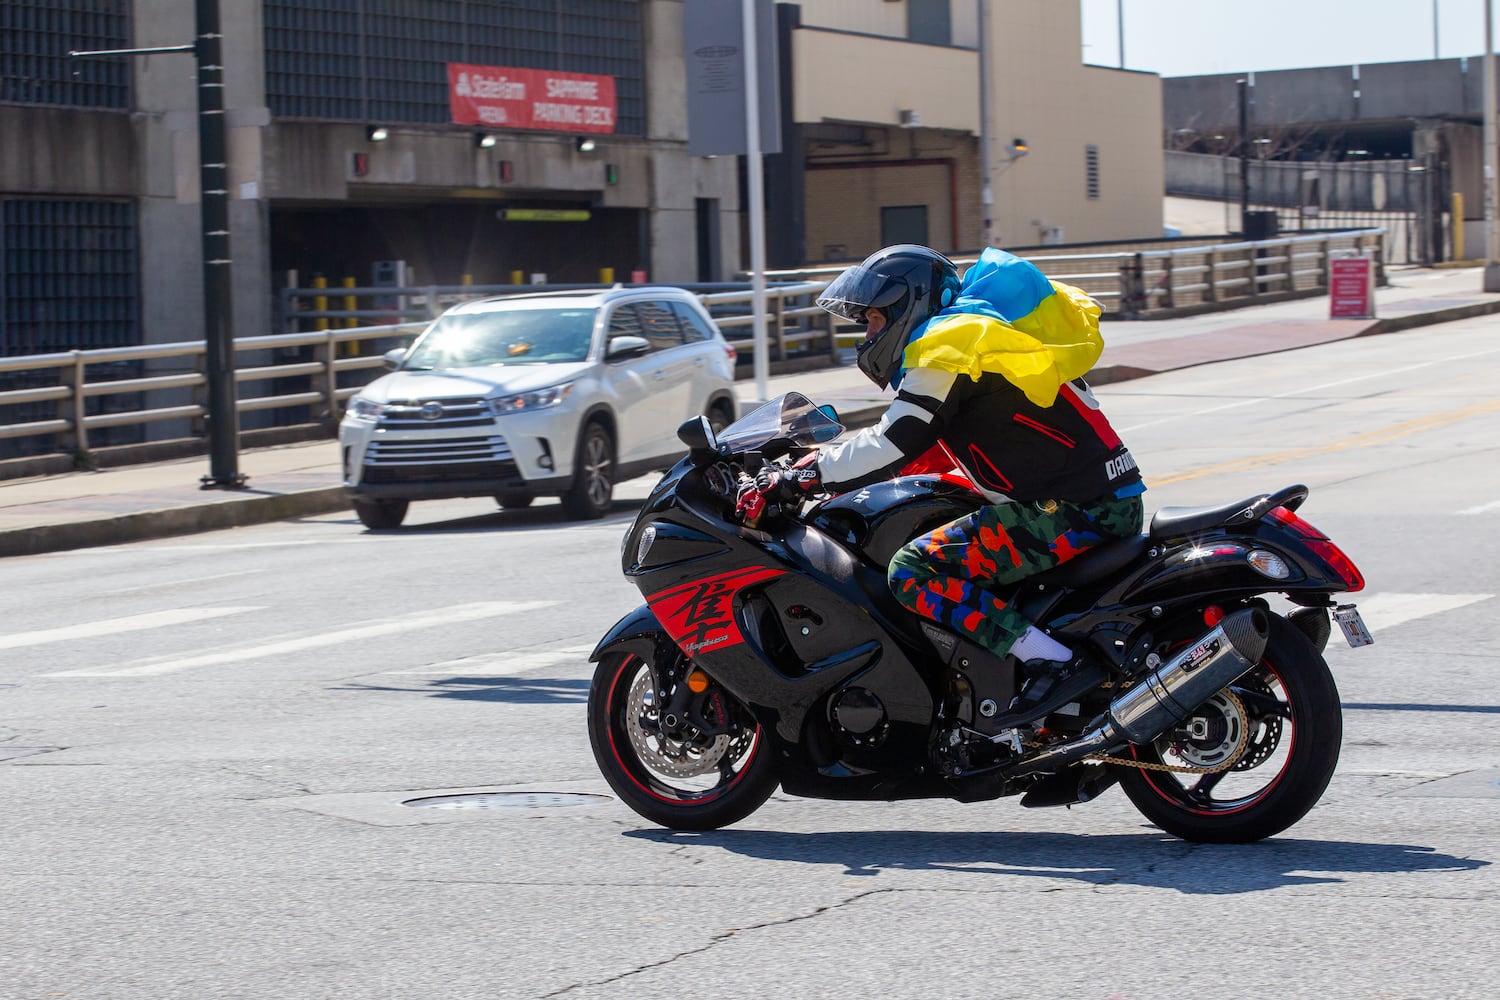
column 991, row 366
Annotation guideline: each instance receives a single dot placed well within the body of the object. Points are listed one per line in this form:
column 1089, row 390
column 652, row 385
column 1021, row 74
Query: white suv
column 513, row 397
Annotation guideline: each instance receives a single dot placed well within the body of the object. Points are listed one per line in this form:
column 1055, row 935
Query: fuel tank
column 877, row 520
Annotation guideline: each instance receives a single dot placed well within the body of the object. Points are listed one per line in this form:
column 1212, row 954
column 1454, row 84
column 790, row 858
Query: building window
column 929, row 21
column 387, row 61
column 68, row 275
column 1091, row 169
column 35, row 39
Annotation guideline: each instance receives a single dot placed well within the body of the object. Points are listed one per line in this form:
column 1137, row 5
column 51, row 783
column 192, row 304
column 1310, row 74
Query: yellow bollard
column 1456, row 230
column 320, row 303
column 518, row 277
column 350, row 305
column 606, row 276
column 468, row 279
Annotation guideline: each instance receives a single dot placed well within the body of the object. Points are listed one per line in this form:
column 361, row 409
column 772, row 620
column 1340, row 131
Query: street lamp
column 213, row 203
column 1491, row 157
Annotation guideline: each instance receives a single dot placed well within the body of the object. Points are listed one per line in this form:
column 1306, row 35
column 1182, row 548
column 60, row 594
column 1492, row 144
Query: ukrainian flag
column 1010, row 319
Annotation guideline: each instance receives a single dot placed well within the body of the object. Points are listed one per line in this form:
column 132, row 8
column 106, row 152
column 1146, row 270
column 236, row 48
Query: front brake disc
column 674, row 758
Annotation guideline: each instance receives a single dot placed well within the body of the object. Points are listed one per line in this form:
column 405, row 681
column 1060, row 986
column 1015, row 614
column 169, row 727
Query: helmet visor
column 858, row 289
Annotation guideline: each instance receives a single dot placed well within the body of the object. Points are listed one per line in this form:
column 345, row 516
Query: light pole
column 986, row 194
column 213, row 177
column 1491, row 157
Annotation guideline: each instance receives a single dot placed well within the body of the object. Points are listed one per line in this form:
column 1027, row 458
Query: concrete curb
column 227, row 513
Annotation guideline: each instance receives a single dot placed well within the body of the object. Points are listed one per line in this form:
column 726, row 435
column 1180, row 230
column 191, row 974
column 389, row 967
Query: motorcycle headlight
column 363, row 409
column 535, row 400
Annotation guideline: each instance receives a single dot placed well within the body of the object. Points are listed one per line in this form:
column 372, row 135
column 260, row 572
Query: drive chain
column 1225, row 765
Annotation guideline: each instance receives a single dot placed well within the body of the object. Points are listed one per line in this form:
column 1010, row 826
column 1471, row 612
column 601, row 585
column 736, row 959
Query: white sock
column 1035, row 644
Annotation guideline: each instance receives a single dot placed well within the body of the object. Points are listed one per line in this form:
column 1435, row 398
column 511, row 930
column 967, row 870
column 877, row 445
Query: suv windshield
column 791, row 416
column 505, row 336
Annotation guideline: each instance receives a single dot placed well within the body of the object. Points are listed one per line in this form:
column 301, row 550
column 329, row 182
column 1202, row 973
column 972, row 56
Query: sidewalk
column 81, row 509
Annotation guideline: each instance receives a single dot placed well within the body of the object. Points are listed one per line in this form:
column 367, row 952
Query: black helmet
column 906, row 281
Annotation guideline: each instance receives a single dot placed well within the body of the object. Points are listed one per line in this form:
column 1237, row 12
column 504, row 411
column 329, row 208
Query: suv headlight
column 363, row 409
column 535, row 400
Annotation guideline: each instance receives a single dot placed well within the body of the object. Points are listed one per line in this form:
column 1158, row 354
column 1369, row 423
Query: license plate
column 1352, row 625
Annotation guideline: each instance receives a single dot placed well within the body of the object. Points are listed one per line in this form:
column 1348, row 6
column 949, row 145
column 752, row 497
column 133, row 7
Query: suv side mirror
column 626, row 347
column 393, row 358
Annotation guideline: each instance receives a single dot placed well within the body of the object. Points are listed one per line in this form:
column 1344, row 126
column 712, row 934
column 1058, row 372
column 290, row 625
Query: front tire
column 701, row 783
column 380, row 515
column 1296, row 727
column 592, row 492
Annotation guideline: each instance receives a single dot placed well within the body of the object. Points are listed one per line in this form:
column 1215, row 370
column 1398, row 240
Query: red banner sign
column 506, row 97
column 1351, row 288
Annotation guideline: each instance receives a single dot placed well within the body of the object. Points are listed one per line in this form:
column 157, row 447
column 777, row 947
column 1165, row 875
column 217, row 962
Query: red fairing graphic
column 700, row 615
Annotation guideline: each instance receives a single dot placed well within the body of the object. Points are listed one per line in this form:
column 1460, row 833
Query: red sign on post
column 507, row 97
column 1351, row 288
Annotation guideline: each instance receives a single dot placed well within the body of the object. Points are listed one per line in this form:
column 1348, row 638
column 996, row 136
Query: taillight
column 731, row 353
column 1322, row 547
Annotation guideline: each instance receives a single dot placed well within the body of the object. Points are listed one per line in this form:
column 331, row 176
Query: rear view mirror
column 626, row 347
column 393, row 358
column 698, row 434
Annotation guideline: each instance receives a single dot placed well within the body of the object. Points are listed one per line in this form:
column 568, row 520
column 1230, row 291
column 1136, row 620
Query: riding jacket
column 1008, row 446
column 996, row 376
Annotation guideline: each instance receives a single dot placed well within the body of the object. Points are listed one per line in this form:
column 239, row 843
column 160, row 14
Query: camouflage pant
column 946, row 576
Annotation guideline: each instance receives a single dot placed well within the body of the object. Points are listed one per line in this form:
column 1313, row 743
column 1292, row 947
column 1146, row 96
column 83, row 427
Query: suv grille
column 442, row 459
column 406, row 414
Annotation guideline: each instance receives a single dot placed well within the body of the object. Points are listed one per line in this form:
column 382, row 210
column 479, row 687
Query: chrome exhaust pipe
column 1218, row 658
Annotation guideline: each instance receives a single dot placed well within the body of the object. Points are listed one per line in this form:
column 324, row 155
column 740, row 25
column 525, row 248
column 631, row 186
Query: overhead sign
column 1351, row 288
column 543, row 214
column 508, row 97
column 714, row 49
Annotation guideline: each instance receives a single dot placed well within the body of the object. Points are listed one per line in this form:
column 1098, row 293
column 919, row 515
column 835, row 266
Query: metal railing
column 305, row 377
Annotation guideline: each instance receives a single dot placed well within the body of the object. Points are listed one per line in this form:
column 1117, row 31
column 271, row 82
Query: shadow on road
column 1151, row 859
column 512, row 690
column 548, row 517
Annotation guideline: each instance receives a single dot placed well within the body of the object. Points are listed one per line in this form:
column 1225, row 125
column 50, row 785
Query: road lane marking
column 279, row 647
column 1383, row 436
column 111, row 626
column 1254, row 400
column 497, row 664
column 1383, row 611
column 1483, row 508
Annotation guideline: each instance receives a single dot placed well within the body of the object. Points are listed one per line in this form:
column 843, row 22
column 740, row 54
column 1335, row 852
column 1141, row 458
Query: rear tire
column 700, row 785
column 380, row 515
column 592, row 492
column 1296, row 727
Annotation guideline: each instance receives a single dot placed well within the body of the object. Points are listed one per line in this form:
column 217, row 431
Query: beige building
column 887, row 108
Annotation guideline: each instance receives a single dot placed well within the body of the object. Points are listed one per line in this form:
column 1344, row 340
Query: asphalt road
column 205, row 744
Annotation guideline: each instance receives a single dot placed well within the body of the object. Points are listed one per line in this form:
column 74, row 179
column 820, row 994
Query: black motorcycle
column 774, row 653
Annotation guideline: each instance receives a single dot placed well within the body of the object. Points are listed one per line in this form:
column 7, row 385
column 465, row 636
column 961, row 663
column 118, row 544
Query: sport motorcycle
column 773, row 653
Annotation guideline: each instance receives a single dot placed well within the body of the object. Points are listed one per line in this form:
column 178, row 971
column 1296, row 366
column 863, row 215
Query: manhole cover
column 506, row 800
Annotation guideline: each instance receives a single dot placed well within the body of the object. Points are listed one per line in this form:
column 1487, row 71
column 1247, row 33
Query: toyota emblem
column 432, row 411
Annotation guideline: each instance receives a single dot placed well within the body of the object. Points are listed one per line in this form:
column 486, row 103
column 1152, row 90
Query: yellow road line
column 1360, row 441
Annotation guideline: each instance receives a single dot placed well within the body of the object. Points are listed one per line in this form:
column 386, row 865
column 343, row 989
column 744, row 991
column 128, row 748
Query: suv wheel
column 593, row 475
column 380, row 515
column 514, row 501
column 719, row 418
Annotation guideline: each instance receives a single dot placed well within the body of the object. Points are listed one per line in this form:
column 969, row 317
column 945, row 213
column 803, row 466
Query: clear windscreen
column 792, row 416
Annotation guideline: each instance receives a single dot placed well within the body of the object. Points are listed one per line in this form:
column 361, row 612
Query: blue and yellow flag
column 1010, row 319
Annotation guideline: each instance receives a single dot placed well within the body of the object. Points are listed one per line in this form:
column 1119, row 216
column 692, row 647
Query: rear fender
column 1210, row 566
